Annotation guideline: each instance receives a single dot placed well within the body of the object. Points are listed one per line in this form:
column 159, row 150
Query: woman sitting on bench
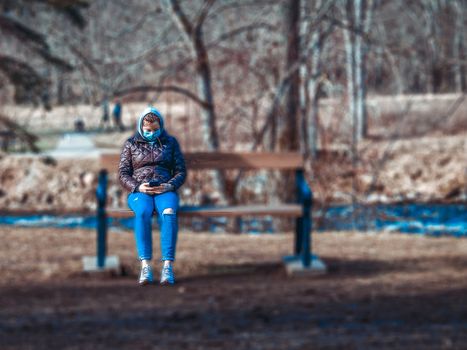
column 152, row 168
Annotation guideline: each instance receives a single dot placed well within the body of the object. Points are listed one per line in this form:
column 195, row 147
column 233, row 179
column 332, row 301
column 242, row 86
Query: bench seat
column 288, row 210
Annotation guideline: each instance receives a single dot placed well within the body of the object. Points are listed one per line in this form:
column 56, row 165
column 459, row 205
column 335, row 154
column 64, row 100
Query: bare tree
column 193, row 36
column 288, row 124
column 432, row 28
column 25, row 48
column 314, row 30
column 358, row 15
column 458, row 45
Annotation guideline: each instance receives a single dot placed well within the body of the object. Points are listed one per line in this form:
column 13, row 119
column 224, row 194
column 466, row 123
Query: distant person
column 105, row 120
column 117, row 115
column 152, row 169
column 79, row 125
column 45, row 97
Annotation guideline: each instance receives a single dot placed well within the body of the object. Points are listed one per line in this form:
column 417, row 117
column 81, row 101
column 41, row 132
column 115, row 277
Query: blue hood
column 139, row 125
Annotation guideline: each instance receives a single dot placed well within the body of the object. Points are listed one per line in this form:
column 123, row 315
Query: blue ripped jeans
column 143, row 205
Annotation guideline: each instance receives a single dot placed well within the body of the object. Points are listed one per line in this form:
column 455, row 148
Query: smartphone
column 154, row 183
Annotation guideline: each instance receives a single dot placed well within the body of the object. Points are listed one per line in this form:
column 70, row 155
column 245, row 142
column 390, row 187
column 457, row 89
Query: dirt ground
column 383, row 291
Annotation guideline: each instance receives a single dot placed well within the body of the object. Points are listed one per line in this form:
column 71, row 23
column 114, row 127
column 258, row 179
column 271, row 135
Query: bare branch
column 240, row 30
column 173, row 88
column 202, row 13
column 179, row 17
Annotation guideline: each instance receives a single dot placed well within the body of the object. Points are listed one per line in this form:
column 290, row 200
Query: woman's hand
column 144, row 188
column 165, row 187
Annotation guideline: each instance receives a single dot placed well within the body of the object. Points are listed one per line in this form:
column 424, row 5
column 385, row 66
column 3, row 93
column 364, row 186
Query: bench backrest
column 225, row 160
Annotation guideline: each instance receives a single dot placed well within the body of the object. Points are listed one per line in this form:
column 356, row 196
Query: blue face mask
column 151, row 135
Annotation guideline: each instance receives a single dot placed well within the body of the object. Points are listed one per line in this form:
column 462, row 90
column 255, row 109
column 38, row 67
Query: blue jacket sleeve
column 178, row 166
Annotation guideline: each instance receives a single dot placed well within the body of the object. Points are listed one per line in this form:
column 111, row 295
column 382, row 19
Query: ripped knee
column 168, row 211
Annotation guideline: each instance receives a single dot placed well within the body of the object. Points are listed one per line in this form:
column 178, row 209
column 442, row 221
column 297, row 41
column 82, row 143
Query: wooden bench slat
column 290, row 210
column 225, row 160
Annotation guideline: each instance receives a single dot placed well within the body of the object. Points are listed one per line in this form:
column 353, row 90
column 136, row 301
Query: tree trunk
column 350, row 47
column 193, row 35
column 203, row 76
column 309, row 74
column 350, row 68
column 304, row 91
column 288, row 126
column 358, row 25
column 208, row 112
column 360, row 111
column 458, row 47
column 313, row 90
column 434, row 78
column 288, row 130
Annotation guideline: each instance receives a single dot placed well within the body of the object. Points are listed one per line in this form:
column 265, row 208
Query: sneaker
column 146, row 276
column 167, row 275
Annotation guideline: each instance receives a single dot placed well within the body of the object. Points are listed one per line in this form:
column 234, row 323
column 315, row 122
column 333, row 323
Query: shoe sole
column 145, row 283
column 166, row 283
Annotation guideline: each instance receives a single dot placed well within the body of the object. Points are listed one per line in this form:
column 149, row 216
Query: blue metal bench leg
column 101, row 194
column 101, row 262
column 298, row 236
column 303, row 261
column 306, row 235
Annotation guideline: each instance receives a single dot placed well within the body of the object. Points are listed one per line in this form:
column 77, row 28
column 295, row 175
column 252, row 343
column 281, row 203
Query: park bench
column 301, row 260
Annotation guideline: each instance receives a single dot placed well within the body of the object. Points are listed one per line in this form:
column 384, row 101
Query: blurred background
column 371, row 92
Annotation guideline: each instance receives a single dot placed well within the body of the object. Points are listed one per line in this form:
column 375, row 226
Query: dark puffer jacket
column 141, row 161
